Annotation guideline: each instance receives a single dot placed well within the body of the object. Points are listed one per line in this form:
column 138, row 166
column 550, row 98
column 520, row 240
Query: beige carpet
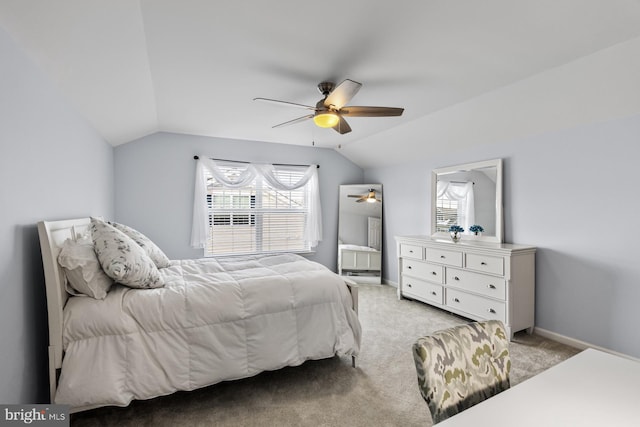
column 381, row 391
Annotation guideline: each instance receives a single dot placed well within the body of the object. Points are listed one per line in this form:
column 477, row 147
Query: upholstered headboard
column 52, row 236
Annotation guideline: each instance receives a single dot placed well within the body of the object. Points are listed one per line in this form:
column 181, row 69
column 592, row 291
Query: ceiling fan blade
column 360, row 201
column 342, row 127
column 371, row 111
column 294, row 121
column 285, row 103
column 342, row 94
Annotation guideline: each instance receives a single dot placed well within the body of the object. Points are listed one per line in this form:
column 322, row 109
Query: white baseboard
column 390, row 283
column 572, row 342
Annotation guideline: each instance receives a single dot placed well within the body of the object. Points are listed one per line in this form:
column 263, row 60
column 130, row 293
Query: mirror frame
column 497, row 163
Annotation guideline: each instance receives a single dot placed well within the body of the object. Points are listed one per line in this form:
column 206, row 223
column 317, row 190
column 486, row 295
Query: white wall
column 52, row 166
column 573, row 194
column 154, row 179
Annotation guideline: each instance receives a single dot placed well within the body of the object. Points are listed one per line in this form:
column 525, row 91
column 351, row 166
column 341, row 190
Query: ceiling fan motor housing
column 325, row 88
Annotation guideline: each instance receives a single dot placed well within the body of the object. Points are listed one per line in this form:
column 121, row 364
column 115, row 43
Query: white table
column 592, row 388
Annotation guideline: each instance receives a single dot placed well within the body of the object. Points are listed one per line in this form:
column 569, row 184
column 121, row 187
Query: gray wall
column 573, row 194
column 52, row 166
column 154, row 181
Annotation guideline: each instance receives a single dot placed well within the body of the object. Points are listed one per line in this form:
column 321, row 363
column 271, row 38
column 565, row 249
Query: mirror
column 468, row 195
column 360, row 232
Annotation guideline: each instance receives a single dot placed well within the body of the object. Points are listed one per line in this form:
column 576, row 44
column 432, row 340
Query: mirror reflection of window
column 455, row 205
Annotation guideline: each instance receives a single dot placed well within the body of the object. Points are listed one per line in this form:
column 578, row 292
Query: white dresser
column 477, row 280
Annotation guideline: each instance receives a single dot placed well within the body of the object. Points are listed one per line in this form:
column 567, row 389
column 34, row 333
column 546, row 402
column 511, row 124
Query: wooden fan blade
column 342, row 127
column 371, row 111
column 294, row 121
column 342, row 94
column 360, row 201
column 285, row 103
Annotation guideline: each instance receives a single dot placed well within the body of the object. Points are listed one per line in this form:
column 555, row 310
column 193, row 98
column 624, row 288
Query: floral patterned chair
column 462, row 366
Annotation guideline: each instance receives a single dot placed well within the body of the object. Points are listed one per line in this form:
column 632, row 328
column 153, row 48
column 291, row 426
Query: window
column 257, row 218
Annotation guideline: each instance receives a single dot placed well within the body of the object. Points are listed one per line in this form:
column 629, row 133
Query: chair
column 462, row 366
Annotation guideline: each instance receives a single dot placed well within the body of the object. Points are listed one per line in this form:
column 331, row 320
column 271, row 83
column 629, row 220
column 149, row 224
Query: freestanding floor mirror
column 360, row 232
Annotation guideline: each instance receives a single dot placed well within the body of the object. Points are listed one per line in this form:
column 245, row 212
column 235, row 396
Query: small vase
column 455, row 235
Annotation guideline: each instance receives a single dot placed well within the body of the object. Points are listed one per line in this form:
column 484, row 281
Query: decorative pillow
column 83, row 270
column 154, row 252
column 122, row 259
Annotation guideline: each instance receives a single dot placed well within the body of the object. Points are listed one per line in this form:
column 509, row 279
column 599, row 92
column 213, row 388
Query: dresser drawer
column 485, row 263
column 491, row 286
column 478, row 306
column 441, row 256
column 422, row 290
column 411, row 251
column 423, row 270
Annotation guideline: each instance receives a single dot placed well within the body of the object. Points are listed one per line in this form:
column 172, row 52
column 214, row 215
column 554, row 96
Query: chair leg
column 353, row 361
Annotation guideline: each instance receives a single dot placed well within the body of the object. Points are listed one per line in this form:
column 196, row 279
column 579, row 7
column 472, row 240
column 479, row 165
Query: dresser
column 475, row 279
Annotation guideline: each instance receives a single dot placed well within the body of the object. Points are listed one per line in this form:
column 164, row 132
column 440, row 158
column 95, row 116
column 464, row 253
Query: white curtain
column 463, row 193
column 247, row 173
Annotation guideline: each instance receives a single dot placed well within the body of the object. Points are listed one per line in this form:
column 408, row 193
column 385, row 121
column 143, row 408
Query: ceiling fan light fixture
column 326, row 120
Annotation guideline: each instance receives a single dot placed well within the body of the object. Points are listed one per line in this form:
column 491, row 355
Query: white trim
column 390, row 283
column 572, row 342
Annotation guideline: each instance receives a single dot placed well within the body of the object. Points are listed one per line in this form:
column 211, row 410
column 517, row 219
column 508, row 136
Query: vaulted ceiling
column 134, row 67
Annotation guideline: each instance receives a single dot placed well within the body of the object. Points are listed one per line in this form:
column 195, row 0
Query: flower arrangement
column 456, row 229
column 475, row 229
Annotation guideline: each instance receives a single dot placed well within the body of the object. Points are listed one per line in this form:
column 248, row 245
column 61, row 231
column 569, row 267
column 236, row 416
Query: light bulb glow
column 326, row 120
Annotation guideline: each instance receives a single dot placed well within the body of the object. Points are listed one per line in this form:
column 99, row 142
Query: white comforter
column 215, row 320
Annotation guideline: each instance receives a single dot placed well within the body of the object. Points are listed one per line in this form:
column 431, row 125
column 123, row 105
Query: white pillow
column 122, row 259
column 82, row 269
column 154, row 252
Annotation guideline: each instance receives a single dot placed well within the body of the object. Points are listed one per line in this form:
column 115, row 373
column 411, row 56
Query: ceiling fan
column 331, row 110
column 370, row 197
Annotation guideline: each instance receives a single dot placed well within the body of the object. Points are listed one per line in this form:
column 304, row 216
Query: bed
column 215, row 319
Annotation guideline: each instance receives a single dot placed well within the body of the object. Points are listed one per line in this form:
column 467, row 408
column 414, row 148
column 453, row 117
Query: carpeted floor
column 381, row 391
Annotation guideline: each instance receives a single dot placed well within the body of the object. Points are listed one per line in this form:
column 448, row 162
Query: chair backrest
column 462, row 366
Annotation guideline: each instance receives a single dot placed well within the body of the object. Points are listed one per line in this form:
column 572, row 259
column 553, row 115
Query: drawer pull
column 492, row 311
column 433, row 293
column 409, row 285
column 483, row 263
column 456, row 300
column 456, row 278
column 434, row 273
column 491, row 286
column 410, row 251
column 409, row 267
column 442, row 256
